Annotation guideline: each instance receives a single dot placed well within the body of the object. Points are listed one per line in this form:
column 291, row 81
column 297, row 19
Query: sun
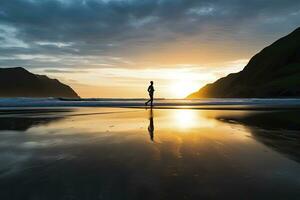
column 183, row 88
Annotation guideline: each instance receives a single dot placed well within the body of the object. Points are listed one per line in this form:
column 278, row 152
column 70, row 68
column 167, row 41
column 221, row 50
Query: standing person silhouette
column 151, row 93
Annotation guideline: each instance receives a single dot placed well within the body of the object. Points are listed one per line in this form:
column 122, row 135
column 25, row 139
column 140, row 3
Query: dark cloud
column 125, row 27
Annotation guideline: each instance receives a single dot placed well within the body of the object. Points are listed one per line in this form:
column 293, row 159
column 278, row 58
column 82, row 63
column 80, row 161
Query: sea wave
column 218, row 103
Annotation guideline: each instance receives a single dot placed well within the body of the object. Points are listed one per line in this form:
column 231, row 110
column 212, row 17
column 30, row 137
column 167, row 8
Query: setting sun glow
column 183, row 88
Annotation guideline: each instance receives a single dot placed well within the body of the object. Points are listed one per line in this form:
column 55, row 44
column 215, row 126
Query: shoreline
column 200, row 104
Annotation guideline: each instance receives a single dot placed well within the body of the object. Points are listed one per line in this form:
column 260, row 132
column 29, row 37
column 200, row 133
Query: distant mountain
column 273, row 72
column 18, row 82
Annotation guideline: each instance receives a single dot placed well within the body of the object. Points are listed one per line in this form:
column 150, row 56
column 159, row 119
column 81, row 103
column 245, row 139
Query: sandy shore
column 134, row 153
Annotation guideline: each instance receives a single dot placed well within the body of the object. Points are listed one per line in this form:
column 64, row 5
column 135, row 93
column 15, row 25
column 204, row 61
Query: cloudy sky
column 113, row 48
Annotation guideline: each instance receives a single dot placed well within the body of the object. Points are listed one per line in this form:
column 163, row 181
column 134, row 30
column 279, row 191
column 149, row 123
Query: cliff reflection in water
column 279, row 130
column 21, row 120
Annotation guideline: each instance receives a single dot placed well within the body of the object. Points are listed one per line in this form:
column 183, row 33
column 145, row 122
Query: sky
column 113, row 48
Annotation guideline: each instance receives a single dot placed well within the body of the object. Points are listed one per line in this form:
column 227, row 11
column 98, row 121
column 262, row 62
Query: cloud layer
column 96, row 34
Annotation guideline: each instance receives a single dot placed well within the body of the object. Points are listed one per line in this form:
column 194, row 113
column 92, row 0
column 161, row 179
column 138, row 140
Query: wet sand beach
column 134, row 153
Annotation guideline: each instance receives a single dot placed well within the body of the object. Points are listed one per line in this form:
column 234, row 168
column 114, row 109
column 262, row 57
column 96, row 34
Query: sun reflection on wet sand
column 187, row 118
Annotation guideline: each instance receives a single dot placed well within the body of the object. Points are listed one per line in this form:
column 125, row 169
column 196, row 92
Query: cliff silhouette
column 272, row 73
column 18, row 82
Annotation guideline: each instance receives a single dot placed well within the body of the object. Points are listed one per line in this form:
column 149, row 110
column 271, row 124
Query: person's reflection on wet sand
column 151, row 125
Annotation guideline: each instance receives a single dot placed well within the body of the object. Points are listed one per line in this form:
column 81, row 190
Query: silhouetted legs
column 150, row 100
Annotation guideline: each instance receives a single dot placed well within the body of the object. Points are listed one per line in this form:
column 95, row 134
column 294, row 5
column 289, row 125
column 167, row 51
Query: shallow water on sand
column 126, row 153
